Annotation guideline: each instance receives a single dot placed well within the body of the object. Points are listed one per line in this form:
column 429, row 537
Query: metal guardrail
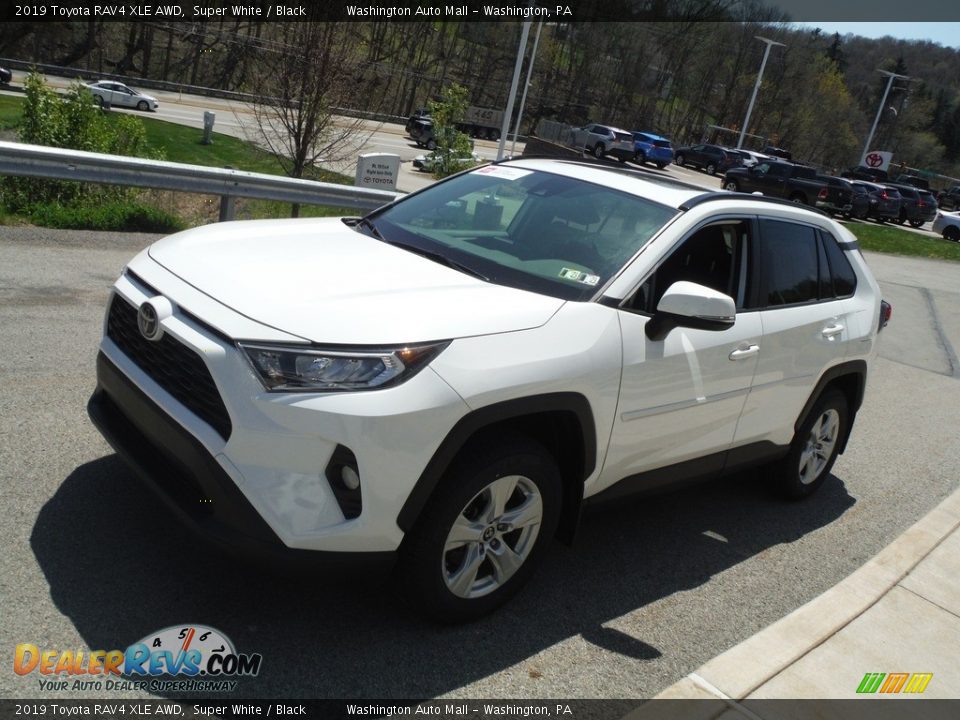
column 60, row 164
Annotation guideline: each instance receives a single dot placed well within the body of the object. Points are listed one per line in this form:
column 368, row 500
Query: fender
column 853, row 368
column 510, row 410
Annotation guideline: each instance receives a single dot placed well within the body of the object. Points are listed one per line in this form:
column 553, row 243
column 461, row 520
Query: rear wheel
column 598, row 150
column 814, row 449
column 482, row 533
column 916, row 223
column 711, row 168
column 731, row 185
column 952, row 232
column 431, row 144
column 679, row 159
column 641, row 157
column 661, row 165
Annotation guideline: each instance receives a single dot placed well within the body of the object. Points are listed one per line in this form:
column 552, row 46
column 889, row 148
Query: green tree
column 454, row 148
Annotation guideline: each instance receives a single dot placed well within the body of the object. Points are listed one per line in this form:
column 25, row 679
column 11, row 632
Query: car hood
column 325, row 282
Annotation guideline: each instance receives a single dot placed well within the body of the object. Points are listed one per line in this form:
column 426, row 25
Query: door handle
column 744, row 351
column 830, row 330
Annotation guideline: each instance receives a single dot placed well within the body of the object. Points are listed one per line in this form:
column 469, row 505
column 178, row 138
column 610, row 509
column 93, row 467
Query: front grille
column 172, row 365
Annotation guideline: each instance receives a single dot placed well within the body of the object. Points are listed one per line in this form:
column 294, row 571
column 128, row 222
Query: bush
column 75, row 121
column 119, row 216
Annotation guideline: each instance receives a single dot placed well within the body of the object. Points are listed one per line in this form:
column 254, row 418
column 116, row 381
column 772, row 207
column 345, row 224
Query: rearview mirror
column 688, row 304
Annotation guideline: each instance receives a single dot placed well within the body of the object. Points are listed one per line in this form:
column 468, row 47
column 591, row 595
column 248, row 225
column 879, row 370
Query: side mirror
column 688, row 304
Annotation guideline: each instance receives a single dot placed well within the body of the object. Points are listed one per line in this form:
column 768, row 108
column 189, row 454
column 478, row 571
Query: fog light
column 349, row 477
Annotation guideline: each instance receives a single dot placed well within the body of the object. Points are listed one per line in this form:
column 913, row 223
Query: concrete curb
column 739, row 671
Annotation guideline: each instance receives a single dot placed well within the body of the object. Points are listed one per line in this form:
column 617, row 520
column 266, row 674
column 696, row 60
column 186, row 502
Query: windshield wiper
column 363, row 222
column 440, row 258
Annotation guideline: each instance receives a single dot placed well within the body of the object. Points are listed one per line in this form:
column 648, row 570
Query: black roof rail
column 727, row 195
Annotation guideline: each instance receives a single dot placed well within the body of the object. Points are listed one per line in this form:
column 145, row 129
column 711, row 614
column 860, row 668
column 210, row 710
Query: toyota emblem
column 148, row 321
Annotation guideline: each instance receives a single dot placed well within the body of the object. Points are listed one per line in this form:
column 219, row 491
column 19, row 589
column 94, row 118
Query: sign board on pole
column 877, row 159
column 378, row 170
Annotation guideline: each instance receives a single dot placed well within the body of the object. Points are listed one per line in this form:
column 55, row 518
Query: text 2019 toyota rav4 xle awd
column 445, row 381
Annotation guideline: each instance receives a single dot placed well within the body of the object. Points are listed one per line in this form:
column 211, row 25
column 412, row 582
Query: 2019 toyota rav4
column 442, row 383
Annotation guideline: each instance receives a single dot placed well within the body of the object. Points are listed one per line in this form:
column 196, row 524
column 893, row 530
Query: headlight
column 288, row 368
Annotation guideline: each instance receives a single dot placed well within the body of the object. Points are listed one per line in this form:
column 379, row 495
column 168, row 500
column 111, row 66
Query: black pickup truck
column 776, row 179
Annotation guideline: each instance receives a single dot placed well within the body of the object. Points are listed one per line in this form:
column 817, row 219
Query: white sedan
column 948, row 225
column 120, row 95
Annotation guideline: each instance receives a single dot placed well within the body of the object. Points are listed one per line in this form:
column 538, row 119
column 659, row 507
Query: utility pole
column 505, row 126
column 883, row 102
column 756, row 87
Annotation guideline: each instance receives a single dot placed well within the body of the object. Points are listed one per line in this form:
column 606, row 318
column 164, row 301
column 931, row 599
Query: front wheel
column 814, row 448
column 431, row 144
column 142, row 105
column 661, row 165
column 711, row 169
column 731, row 185
column 916, row 223
column 641, row 158
column 951, row 232
column 598, row 150
column 679, row 160
column 480, row 536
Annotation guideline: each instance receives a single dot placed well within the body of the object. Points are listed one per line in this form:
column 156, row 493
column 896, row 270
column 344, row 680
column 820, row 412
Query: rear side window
column 844, row 278
column 789, row 266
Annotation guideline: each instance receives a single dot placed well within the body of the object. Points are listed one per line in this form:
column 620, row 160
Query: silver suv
column 604, row 140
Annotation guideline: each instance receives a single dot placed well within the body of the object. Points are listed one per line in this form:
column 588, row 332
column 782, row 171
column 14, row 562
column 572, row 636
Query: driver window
column 714, row 256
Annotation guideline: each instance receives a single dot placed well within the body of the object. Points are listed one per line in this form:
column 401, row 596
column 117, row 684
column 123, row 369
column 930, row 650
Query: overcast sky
column 945, row 33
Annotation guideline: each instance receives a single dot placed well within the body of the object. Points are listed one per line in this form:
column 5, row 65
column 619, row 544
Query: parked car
column 5, row 76
column 884, row 201
column 749, row 158
column 949, row 199
column 947, row 224
column 712, row 159
column 653, row 148
column 477, row 360
column 776, row 178
column 120, row 95
column 917, row 182
column 418, row 114
column 869, row 174
column 426, row 163
column 838, row 196
column 603, row 140
column 914, row 207
column 778, row 152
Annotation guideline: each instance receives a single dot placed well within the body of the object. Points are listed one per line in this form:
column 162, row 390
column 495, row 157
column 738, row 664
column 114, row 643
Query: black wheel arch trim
column 477, row 420
column 852, row 368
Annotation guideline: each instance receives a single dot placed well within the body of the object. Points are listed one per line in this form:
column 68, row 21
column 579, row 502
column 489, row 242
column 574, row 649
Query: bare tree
column 310, row 74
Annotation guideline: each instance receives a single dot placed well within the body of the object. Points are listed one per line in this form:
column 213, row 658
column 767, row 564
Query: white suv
column 444, row 382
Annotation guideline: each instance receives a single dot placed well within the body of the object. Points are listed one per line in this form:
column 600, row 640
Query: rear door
column 804, row 312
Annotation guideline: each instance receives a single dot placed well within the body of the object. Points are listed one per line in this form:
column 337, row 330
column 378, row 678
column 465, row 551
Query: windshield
column 527, row 229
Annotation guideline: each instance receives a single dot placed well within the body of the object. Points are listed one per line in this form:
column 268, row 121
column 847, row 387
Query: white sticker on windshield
column 579, row 276
column 507, row 173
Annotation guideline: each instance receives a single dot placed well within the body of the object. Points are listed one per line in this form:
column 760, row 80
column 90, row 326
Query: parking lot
column 651, row 589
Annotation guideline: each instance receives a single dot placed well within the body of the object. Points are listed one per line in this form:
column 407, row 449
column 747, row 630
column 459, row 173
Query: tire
column 494, row 134
column 641, row 157
column 661, row 165
column 598, row 150
column 732, row 185
column 143, row 105
column 711, row 168
column 431, row 144
column 456, row 579
column 900, row 220
column 679, row 160
column 814, row 448
column 799, row 199
column 916, row 223
column 98, row 99
column 951, row 232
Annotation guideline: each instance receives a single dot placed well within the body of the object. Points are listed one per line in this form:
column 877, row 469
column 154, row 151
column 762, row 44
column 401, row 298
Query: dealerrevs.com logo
column 180, row 658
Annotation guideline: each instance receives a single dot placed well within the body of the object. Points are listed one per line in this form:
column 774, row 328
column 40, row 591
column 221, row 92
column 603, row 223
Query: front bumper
column 191, row 482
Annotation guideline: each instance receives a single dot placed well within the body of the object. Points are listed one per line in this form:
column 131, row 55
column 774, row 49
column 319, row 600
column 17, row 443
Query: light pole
column 756, row 87
column 883, row 102
column 505, row 127
column 523, row 98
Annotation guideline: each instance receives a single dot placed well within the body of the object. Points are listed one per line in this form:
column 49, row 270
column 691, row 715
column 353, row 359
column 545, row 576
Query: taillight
column 884, row 196
column 886, row 312
column 822, row 195
column 920, row 203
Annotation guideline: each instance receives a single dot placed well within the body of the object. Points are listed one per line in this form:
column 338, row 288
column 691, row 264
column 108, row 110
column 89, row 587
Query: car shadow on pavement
column 121, row 566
